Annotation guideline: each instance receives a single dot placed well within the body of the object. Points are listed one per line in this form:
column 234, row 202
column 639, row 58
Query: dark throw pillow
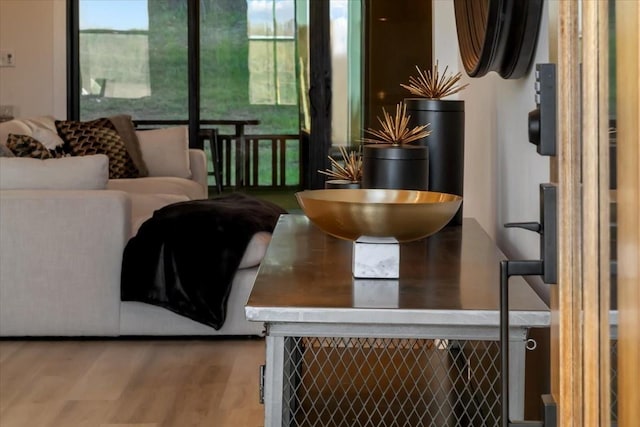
column 98, row 137
column 127, row 131
column 27, row 146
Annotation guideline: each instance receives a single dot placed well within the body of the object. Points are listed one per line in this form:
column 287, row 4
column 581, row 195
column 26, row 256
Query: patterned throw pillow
column 27, row 146
column 58, row 152
column 98, row 137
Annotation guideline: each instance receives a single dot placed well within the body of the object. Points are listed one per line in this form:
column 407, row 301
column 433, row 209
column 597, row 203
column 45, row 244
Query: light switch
column 7, row 58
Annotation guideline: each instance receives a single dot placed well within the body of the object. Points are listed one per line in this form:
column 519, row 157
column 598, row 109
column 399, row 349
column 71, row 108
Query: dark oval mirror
column 497, row 35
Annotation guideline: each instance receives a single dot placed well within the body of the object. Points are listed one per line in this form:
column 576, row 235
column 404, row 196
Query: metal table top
column 449, row 278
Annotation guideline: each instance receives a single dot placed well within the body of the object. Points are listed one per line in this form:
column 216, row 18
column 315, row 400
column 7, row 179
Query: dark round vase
column 446, row 143
column 399, row 167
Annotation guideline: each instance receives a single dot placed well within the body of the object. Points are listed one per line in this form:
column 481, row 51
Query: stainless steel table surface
column 449, row 278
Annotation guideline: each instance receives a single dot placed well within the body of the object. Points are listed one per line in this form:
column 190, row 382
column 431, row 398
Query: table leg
column 517, row 354
column 274, row 377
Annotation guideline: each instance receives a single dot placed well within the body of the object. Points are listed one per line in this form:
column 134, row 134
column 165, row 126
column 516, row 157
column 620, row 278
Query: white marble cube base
column 376, row 293
column 376, row 258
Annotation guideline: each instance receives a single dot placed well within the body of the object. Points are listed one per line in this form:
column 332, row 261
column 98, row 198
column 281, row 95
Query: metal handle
column 531, row 226
column 547, row 228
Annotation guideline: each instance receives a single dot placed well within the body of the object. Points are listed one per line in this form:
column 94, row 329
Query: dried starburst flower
column 396, row 130
column 430, row 84
column 350, row 170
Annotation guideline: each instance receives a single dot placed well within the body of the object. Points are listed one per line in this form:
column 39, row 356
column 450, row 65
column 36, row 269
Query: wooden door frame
column 580, row 365
column 596, row 216
column 566, row 360
column 628, row 178
column 580, row 303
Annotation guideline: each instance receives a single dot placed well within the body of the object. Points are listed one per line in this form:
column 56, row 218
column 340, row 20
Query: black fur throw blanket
column 185, row 256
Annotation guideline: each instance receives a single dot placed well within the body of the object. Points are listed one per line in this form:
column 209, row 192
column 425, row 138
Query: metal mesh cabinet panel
column 390, row 382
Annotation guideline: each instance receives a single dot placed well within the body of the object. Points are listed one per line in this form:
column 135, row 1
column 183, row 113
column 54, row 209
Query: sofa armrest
column 198, row 165
column 60, row 261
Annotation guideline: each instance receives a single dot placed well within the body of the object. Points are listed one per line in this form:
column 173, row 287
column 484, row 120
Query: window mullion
column 193, row 53
column 274, row 47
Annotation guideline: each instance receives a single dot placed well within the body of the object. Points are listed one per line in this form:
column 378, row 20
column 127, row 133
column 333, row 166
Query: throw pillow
column 127, row 131
column 44, row 130
column 27, row 146
column 166, row 151
column 98, row 137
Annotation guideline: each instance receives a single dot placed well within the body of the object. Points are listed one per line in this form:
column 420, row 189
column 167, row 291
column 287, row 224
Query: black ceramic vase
column 336, row 184
column 399, row 167
column 446, row 143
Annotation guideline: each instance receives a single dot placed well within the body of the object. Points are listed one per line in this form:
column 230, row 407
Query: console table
column 351, row 352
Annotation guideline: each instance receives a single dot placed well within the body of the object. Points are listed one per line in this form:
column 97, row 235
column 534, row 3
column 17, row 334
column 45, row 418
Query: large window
column 133, row 58
column 238, row 59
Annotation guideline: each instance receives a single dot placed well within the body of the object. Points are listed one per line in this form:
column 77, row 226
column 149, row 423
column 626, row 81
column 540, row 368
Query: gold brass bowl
column 403, row 214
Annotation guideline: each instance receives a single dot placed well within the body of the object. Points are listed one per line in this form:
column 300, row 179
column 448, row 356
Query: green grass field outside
column 147, row 78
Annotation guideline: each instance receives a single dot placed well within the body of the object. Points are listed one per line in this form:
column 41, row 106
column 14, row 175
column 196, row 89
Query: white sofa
column 63, row 229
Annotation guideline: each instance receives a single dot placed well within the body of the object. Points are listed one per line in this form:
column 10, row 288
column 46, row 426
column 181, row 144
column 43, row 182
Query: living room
column 146, row 381
column 496, row 136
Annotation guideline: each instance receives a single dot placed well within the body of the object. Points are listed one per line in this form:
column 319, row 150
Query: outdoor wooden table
column 239, row 136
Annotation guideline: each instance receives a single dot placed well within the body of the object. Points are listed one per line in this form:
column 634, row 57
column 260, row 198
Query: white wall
column 502, row 169
column 35, row 31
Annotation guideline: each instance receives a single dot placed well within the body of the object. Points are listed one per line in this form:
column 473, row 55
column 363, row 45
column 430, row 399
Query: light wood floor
column 127, row 383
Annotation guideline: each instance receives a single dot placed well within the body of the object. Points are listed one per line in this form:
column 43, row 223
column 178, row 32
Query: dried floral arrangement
column 350, row 171
column 396, row 130
column 431, row 84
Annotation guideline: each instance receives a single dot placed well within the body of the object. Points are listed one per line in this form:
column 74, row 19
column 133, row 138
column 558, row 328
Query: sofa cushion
column 27, row 146
column 98, row 137
column 166, row 151
column 159, row 184
column 66, row 173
